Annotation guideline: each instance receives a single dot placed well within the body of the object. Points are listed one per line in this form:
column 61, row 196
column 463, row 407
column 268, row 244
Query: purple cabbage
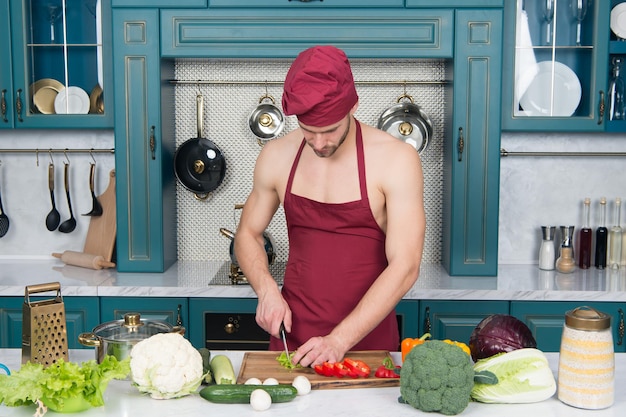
column 499, row 333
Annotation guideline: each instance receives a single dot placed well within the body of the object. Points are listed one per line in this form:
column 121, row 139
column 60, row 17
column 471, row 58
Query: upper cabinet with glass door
column 60, row 59
column 556, row 65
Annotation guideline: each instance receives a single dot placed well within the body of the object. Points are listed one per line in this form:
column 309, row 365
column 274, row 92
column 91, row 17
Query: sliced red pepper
column 340, row 370
column 359, row 368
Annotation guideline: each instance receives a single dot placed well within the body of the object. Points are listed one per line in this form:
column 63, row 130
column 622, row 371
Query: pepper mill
column 547, row 254
column 565, row 263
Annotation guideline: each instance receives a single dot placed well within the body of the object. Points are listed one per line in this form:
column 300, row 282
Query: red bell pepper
column 387, row 369
column 349, row 367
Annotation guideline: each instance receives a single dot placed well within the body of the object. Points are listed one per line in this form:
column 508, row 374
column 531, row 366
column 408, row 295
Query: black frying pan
column 199, row 164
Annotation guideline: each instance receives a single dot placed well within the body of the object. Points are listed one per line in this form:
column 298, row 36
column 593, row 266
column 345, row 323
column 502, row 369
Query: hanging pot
column 118, row 337
column 267, row 243
column 408, row 122
column 199, row 164
column 266, row 120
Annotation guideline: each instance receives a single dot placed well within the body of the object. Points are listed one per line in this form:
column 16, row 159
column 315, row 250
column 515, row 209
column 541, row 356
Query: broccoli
column 437, row 376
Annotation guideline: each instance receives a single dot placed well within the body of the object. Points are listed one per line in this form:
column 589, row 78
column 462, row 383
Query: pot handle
column 267, row 97
column 178, row 329
column 88, row 339
column 405, row 96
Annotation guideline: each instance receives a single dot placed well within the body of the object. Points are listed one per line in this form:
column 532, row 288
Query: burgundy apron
column 336, row 252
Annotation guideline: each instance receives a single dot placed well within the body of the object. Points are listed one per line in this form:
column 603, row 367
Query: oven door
column 234, row 331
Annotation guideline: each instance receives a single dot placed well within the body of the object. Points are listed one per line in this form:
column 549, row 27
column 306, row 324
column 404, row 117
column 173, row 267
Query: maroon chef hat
column 319, row 87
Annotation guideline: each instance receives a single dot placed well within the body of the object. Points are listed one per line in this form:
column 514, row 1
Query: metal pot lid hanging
column 266, row 121
column 408, row 122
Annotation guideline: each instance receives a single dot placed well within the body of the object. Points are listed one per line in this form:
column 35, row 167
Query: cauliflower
column 166, row 366
column 437, row 376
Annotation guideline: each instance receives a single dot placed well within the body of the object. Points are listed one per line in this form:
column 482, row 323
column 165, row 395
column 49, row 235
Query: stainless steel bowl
column 408, row 122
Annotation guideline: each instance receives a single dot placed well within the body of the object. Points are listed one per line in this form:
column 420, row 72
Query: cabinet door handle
column 427, row 324
column 18, row 105
column 460, row 145
column 3, row 106
column 620, row 327
column 179, row 317
column 152, row 143
column 601, row 108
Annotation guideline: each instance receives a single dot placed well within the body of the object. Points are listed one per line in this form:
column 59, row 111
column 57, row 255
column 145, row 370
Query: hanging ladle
column 68, row 225
column 53, row 218
column 96, row 209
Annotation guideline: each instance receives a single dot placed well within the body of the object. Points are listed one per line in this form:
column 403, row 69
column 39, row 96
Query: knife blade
column 284, row 337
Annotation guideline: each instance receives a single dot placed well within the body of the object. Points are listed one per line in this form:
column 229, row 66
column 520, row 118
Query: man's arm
column 257, row 213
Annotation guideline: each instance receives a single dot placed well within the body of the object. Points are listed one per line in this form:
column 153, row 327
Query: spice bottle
column 584, row 238
column 547, row 252
column 588, row 383
column 615, row 238
column 601, row 237
column 565, row 263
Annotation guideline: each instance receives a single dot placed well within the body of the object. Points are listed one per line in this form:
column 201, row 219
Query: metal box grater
column 44, row 330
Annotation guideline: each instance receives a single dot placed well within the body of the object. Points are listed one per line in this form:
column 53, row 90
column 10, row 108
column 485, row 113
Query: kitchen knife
column 284, row 337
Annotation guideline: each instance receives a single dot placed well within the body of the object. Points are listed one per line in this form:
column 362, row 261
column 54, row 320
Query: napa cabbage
column 524, row 376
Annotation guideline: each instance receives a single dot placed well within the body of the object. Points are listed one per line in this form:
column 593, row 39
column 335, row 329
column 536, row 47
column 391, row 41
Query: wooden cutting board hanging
column 102, row 229
column 264, row 365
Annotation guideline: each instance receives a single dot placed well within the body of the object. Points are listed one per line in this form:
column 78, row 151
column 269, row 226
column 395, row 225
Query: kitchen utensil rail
column 237, row 82
column 49, row 150
column 505, row 153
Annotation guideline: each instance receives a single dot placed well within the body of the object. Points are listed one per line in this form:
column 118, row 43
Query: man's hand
column 319, row 349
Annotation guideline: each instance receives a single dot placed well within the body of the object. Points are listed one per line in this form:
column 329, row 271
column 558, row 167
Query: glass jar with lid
column 586, row 376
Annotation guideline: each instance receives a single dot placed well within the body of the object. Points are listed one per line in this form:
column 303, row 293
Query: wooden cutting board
column 100, row 238
column 264, row 365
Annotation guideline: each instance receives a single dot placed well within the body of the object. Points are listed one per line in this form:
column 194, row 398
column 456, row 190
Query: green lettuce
column 63, row 386
column 524, row 376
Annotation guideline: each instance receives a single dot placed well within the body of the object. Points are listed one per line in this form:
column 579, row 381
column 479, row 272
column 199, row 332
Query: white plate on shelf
column 72, row 100
column 618, row 20
column 542, row 98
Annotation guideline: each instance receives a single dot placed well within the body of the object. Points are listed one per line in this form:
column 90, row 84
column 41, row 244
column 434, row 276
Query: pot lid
column 587, row 318
column 131, row 328
column 266, row 120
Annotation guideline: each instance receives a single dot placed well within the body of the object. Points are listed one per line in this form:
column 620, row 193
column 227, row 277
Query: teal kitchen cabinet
column 160, row 3
column 171, row 310
column 144, row 144
column 456, row 320
column 407, row 312
column 56, row 70
column 555, row 69
column 6, row 75
column 302, row 4
column 82, row 314
column 545, row 320
column 229, row 323
column 617, row 49
column 472, row 147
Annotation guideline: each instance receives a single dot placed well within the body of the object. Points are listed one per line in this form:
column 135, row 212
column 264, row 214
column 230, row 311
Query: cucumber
column 240, row 393
column 222, row 370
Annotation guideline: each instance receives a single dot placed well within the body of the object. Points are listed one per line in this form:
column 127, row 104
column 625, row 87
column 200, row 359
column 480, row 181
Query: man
column 353, row 201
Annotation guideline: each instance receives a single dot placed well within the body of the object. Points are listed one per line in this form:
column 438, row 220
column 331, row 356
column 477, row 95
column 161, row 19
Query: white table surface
column 123, row 400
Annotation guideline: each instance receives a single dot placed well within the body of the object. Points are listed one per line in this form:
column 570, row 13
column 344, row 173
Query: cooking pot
column 266, row 120
column 408, row 122
column 117, row 338
column 199, row 164
column 267, row 243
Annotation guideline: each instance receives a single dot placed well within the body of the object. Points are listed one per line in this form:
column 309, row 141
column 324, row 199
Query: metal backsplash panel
column 236, row 88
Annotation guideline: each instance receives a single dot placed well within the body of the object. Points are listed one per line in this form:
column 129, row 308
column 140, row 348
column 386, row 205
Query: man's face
column 326, row 140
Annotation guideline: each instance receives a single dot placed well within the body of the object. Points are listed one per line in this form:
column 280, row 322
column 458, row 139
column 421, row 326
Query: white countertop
column 199, row 279
column 122, row 399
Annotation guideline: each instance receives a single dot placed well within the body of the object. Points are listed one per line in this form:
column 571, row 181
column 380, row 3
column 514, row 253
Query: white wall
column 25, row 193
column 536, row 191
